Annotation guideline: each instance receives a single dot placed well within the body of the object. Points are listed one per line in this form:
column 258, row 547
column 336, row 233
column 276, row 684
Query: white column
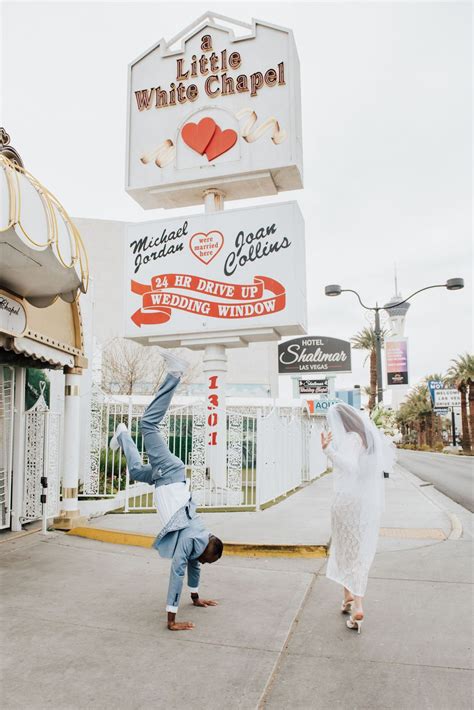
column 213, row 200
column 18, row 474
column 215, row 369
column 70, row 515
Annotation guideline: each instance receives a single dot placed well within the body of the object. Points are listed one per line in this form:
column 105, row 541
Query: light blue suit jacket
column 183, row 546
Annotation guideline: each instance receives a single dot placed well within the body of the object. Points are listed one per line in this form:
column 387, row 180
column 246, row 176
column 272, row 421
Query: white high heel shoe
column 356, row 624
column 346, row 606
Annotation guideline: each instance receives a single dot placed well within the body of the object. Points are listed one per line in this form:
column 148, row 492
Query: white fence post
column 44, row 492
column 259, row 460
column 127, row 474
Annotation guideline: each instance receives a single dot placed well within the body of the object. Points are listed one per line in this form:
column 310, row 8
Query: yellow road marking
column 414, row 533
column 119, row 537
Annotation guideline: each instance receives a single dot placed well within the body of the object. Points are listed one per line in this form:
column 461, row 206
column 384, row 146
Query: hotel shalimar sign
column 209, row 109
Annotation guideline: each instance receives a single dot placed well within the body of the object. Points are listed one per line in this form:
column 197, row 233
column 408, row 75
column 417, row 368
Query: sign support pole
column 331, row 386
column 215, row 369
column 378, row 346
column 453, row 425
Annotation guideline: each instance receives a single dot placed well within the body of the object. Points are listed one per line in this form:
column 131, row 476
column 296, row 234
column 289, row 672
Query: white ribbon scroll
column 163, row 155
column 250, row 135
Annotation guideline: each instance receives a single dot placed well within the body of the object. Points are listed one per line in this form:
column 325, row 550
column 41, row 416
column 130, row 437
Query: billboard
column 216, row 277
column 214, row 107
column 314, row 354
column 397, row 361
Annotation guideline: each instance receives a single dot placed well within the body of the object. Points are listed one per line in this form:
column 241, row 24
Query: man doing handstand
column 182, row 537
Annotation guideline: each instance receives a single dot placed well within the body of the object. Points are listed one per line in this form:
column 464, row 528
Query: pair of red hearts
column 207, row 137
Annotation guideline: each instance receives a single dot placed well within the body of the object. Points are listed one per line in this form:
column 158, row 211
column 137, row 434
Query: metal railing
column 268, row 454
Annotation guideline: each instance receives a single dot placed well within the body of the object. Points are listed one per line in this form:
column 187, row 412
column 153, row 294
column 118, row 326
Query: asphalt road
column 452, row 475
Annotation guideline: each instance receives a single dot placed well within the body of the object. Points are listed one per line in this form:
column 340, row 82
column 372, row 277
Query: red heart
column 198, row 135
column 206, row 246
column 220, row 143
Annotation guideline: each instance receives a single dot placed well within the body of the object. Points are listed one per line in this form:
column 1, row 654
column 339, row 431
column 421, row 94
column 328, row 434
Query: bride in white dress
column 359, row 455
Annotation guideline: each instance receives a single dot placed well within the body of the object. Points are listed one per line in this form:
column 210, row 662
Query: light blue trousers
column 164, row 466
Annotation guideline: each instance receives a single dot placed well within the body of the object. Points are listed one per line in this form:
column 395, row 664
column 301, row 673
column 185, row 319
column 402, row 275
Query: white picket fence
column 270, row 451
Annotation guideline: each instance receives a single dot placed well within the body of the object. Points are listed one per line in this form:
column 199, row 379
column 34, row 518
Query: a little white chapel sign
column 211, row 108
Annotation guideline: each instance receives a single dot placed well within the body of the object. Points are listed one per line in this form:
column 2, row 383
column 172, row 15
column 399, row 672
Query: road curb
column 456, row 527
column 420, row 484
column 240, row 549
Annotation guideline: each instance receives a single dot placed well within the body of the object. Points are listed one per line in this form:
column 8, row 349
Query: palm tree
column 433, row 420
column 461, row 375
column 365, row 340
column 414, row 414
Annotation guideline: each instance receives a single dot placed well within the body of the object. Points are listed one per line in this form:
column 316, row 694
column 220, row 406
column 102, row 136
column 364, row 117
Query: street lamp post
column 335, row 290
column 378, row 346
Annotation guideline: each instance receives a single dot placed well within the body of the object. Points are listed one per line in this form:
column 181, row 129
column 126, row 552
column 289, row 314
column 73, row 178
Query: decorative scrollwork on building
column 53, row 472
column 34, row 464
column 92, row 472
column 35, row 456
column 234, row 450
column 198, row 449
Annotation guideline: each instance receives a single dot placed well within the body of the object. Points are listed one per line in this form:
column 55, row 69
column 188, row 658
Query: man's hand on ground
column 180, row 625
column 204, row 602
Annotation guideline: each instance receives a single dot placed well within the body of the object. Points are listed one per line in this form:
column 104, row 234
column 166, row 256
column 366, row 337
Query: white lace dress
column 355, row 516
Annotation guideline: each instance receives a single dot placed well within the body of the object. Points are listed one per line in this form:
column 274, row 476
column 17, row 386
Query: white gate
column 314, row 458
column 268, row 454
column 288, row 453
column 42, row 457
column 184, row 428
column 7, row 387
column 279, row 455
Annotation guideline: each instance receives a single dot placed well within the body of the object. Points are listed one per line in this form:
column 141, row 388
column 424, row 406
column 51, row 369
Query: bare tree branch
column 126, row 365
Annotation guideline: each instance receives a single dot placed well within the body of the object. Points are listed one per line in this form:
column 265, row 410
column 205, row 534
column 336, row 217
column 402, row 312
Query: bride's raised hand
column 325, row 439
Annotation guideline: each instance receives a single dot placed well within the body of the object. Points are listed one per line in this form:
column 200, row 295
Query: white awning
column 41, row 252
column 37, row 351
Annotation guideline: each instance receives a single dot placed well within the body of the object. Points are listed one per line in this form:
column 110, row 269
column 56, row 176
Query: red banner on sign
column 243, row 300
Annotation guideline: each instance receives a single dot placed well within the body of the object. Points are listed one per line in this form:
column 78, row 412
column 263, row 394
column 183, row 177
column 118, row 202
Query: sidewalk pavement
column 84, row 621
column 304, row 518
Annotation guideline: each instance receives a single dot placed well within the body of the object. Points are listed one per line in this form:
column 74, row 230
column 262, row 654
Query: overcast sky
column 386, row 140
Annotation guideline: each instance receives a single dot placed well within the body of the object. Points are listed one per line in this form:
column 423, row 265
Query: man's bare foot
column 180, row 625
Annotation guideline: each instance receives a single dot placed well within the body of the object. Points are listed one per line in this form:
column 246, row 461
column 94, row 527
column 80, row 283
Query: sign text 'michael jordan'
column 216, row 69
